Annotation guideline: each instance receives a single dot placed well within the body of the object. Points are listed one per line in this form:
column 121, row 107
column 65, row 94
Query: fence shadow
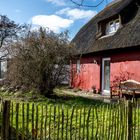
column 73, row 100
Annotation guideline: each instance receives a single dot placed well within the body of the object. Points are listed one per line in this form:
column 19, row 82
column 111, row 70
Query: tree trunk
column 46, row 87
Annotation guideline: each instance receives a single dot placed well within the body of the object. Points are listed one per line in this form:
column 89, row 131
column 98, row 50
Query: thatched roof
column 127, row 36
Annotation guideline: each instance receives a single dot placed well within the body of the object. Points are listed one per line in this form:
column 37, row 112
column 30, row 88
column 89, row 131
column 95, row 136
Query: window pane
column 117, row 21
column 111, row 23
column 107, row 75
column 112, row 27
column 78, row 66
column 117, row 25
column 3, row 68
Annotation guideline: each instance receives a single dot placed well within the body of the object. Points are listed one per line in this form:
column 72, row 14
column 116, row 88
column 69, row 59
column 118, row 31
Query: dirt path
column 88, row 95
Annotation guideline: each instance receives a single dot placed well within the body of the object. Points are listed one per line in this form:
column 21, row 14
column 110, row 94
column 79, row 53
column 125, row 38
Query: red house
column 108, row 48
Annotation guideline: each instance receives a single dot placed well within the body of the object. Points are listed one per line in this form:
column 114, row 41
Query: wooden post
column 36, row 127
column 129, row 120
column 17, row 121
column 41, row 129
column 46, row 119
column 71, row 118
column 87, row 123
column 62, row 122
column 33, row 127
column 67, row 121
column 27, row 121
column 110, row 92
column 23, row 119
column 6, row 120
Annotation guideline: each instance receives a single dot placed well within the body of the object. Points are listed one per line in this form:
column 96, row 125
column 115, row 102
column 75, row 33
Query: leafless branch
column 81, row 4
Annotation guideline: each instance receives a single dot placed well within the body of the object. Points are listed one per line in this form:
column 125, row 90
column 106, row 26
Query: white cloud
column 53, row 22
column 75, row 13
column 18, row 11
column 57, row 2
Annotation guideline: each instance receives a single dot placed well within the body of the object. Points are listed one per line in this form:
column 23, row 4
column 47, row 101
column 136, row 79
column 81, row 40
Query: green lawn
column 68, row 117
column 55, row 99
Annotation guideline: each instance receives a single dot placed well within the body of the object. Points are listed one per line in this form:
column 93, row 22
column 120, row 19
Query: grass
column 65, row 121
column 69, row 117
column 61, row 119
column 57, row 99
column 53, row 108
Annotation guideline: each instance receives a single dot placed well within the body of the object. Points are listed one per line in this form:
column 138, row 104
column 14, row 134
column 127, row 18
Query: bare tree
column 8, row 32
column 39, row 61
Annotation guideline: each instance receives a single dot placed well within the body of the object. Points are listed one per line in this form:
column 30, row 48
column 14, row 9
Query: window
column 78, row 66
column 3, row 69
column 112, row 27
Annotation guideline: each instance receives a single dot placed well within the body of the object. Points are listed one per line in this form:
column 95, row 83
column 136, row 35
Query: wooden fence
column 33, row 121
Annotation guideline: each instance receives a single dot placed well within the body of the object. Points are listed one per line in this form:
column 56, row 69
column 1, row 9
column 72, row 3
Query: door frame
column 104, row 92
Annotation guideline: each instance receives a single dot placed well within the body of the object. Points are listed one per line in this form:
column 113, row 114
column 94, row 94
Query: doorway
column 106, row 76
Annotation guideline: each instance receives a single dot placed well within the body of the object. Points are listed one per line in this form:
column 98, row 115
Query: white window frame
column 104, row 92
column 3, row 68
column 78, row 66
column 114, row 27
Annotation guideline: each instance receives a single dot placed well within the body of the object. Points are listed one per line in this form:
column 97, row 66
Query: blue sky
column 57, row 15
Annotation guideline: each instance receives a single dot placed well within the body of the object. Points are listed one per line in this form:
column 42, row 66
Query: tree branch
column 84, row 5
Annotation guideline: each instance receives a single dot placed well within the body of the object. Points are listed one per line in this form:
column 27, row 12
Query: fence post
column 6, row 120
column 129, row 120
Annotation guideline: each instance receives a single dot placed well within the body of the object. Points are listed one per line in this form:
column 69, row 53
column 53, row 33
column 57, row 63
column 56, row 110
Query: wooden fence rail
column 33, row 121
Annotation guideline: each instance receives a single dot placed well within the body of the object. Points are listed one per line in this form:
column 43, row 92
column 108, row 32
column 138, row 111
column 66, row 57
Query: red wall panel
column 124, row 65
column 89, row 75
